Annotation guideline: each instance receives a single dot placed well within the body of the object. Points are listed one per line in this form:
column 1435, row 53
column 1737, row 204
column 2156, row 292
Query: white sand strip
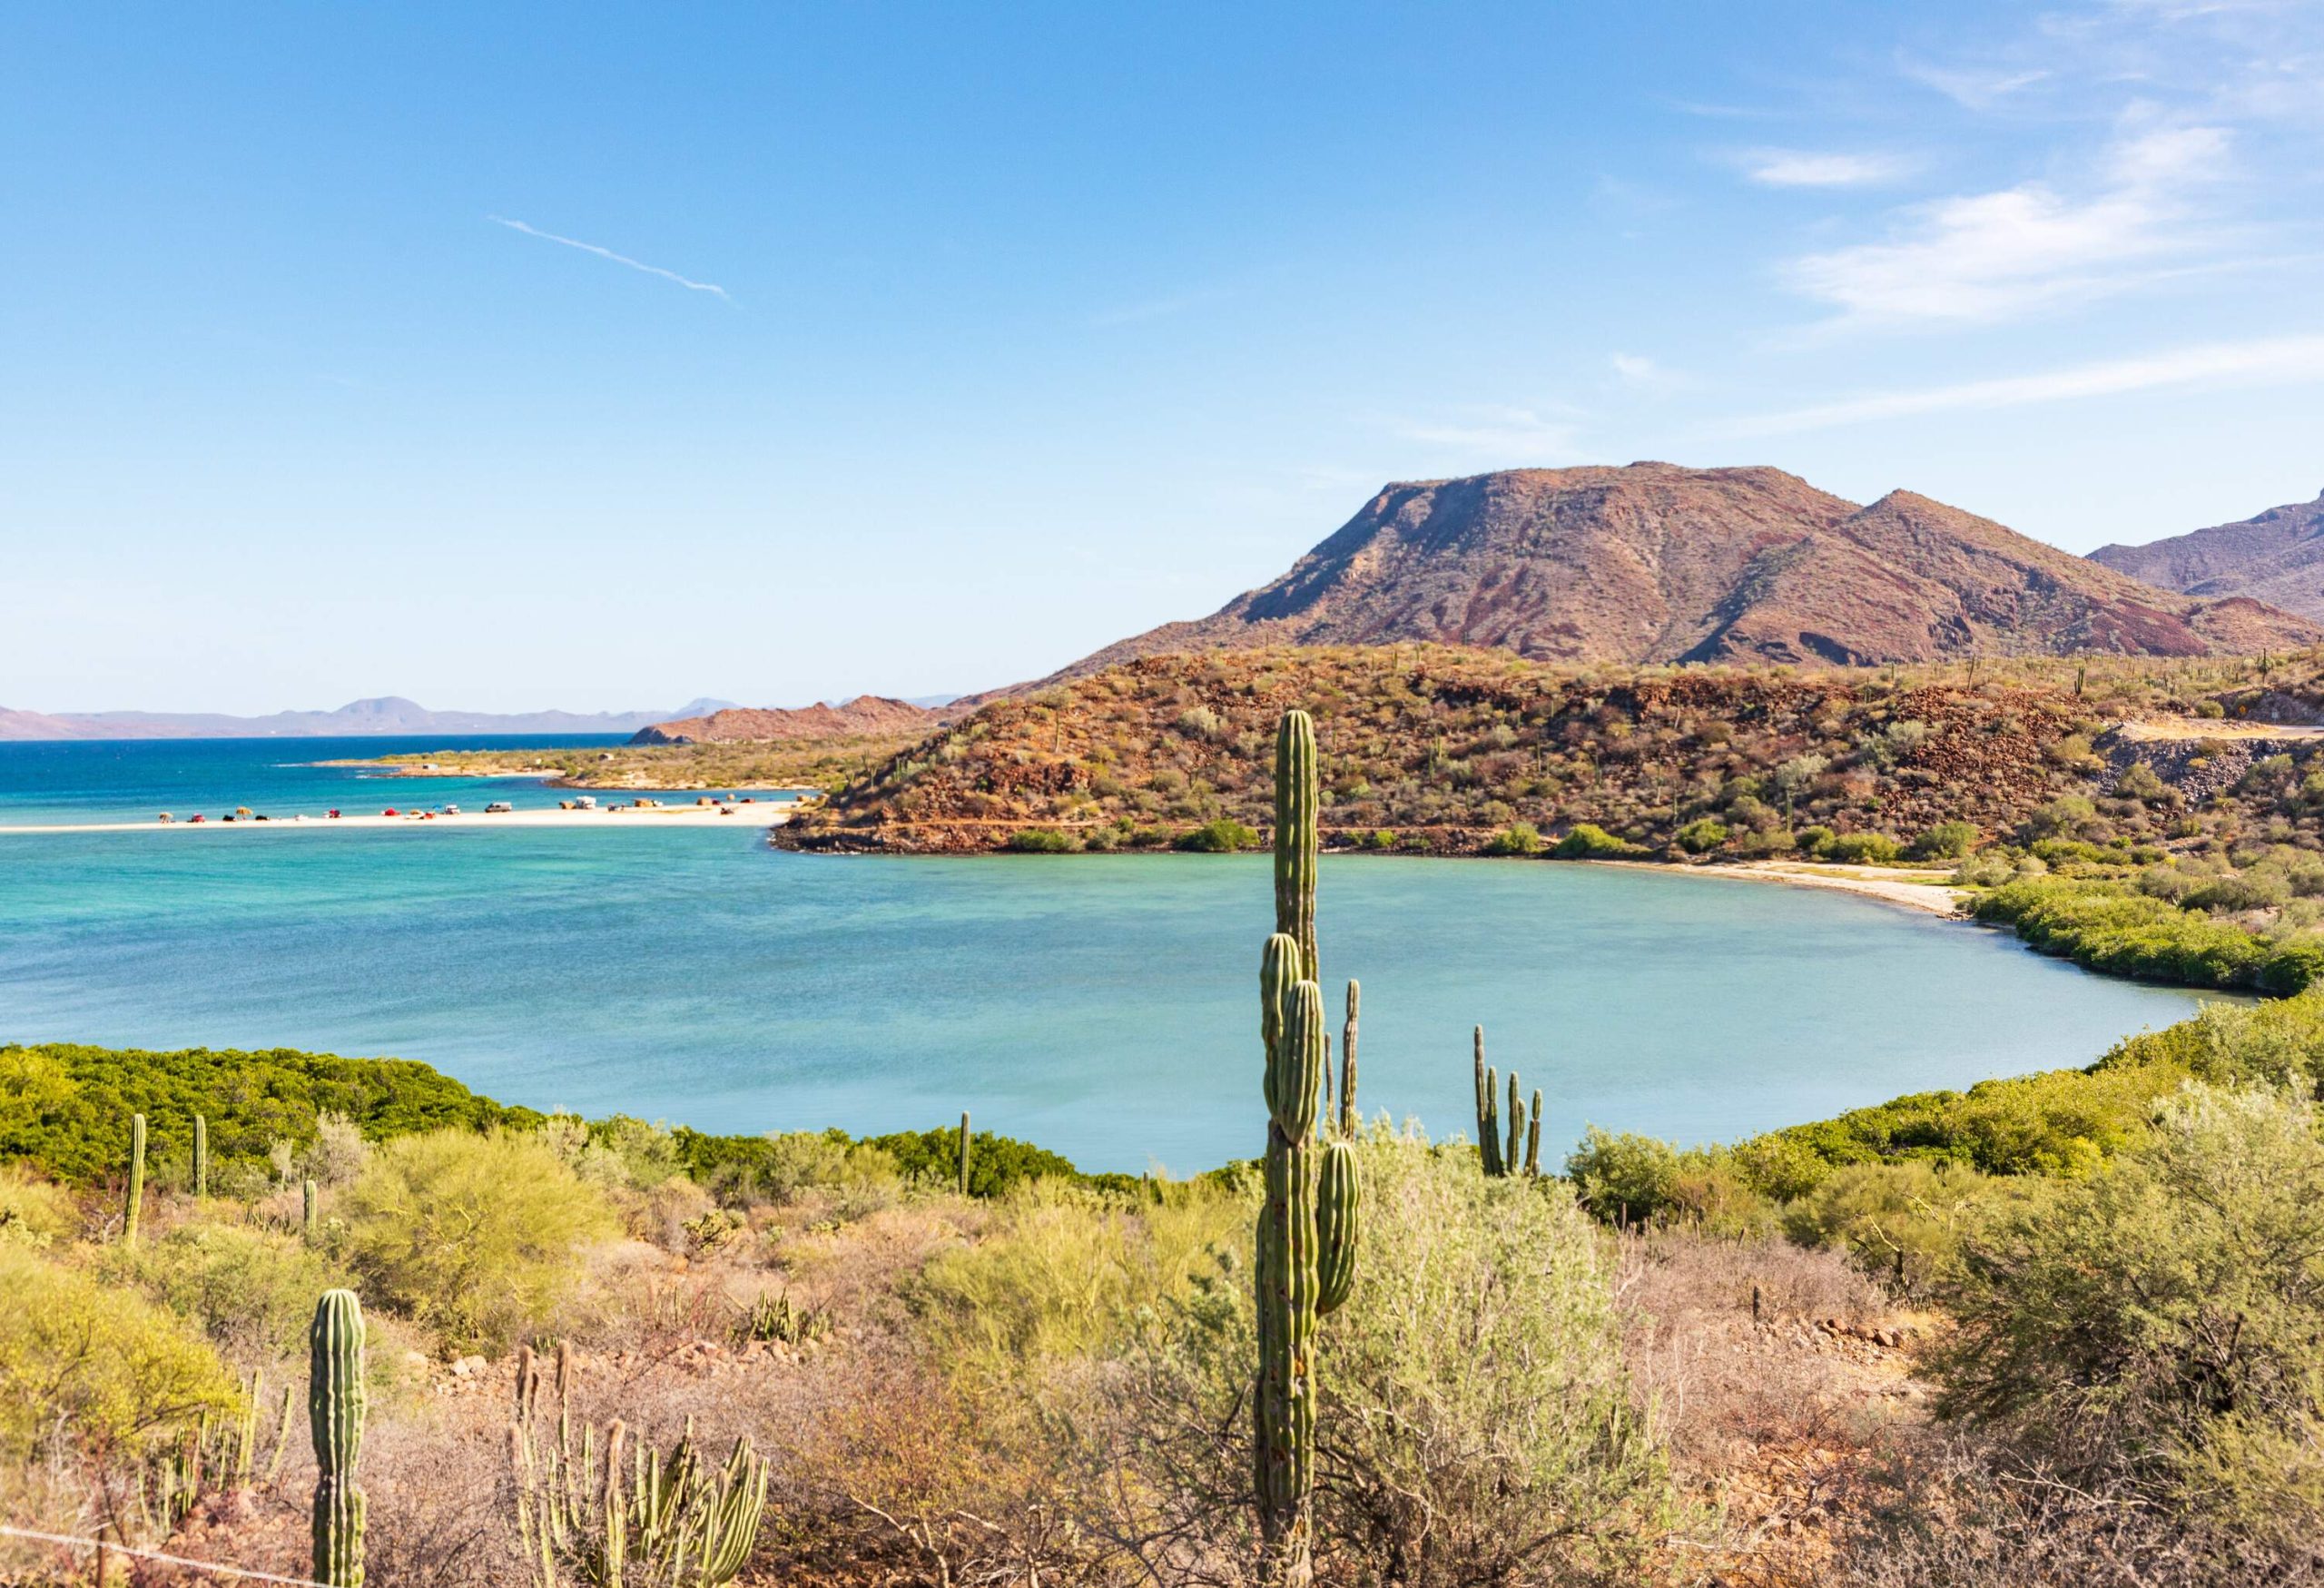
column 626, row 817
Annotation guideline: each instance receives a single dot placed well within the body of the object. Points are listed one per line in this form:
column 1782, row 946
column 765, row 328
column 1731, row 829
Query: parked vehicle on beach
column 451, row 810
column 585, row 803
column 499, row 808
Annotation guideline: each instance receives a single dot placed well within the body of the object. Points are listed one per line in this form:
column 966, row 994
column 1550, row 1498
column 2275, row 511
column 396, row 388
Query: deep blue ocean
column 1102, row 1006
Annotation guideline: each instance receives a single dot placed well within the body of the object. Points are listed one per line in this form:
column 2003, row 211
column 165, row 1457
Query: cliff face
column 2277, row 557
column 864, row 716
column 1656, row 563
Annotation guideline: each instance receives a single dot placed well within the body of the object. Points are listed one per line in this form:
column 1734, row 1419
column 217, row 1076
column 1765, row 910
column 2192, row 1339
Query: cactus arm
column 200, row 1158
column 964, row 1152
column 335, row 1406
column 1339, row 1209
column 307, row 1211
column 1533, row 1138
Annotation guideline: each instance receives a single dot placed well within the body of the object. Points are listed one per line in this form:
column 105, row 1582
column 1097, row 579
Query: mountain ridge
column 1656, row 562
column 376, row 716
column 2275, row 557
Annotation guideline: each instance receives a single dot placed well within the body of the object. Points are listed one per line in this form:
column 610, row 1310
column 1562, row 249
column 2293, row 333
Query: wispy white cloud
column 2286, row 360
column 619, row 259
column 1994, row 256
column 1641, row 374
column 1972, row 87
column 1505, row 433
column 1808, row 168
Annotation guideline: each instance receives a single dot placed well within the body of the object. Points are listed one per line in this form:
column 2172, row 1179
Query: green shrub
column 34, row 1210
column 475, row 1235
column 251, row 1290
column 1862, row 849
column 105, row 1365
column 1381, row 839
column 1625, row 1177
column 1588, row 841
column 1063, row 1272
column 1878, row 1212
column 1517, row 838
column 1816, row 842
column 1947, row 841
column 1479, row 1413
column 1221, row 836
column 65, row 1107
column 1038, row 841
column 2107, row 927
column 1702, row 835
column 997, row 1164
column 2158, row 1323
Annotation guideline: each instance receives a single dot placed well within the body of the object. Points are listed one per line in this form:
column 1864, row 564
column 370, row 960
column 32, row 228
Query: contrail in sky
column 619, row 259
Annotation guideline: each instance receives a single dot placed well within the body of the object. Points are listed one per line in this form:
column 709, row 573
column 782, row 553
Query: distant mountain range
column 862, row 717
column 387, row 714
column 2277, row 557
column 1658, row 563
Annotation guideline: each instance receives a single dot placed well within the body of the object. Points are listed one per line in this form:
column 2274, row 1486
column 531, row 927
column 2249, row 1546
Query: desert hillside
column 863, row 717
column 1441, row 749
column 1658, row 563
column 2275, row 557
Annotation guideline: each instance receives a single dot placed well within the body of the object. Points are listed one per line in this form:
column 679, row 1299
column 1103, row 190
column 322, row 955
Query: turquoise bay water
column 1103, row 1006
column 134, row 780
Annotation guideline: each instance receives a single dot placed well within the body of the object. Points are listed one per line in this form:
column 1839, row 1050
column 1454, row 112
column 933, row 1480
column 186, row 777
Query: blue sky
column 920, row 348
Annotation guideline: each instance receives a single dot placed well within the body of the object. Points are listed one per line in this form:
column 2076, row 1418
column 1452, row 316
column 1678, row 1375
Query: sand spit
column 626, row 817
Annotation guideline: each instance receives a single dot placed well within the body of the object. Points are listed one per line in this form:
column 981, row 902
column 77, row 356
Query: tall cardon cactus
column 201, row 1157
column 1309, row 1223
column 136, row 1201
column 335, row 1402
column 1349, row 1118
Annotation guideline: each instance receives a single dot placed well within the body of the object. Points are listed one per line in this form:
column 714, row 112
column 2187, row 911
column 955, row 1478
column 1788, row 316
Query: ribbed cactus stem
column 201, row 1157
column 1488, row 1109
column 307, row 1209
column 1339, row 1209
column 335, row 1405
column 1348, row 1115
column 964, row 1152
column 1298, row 838
column 1533, row 1137
column 616, row 1518
column 137, row 1200
column 1287, row 1281
column 1509, row 1156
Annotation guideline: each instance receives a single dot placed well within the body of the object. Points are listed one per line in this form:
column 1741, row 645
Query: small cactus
column 1349, row 1118
column 1533, row 1138
column 136, row 1201
column 964, row 1152
column 335, row 1406
column 307, row 1211
column 201, row 1157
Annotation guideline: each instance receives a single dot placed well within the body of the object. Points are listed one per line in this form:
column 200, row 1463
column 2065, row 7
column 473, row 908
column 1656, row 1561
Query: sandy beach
column 738, row 816
column 1890, row 885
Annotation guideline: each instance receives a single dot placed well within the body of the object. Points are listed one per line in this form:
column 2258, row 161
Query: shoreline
column 755, row 817
column 1884, row 886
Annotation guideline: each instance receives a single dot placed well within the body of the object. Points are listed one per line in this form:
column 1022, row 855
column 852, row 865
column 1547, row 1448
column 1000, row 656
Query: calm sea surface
column 1103, row 1006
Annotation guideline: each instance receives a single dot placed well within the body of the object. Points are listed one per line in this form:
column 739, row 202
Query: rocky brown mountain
column 865, row 714
column 2277, row 557
column 1658, row 563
